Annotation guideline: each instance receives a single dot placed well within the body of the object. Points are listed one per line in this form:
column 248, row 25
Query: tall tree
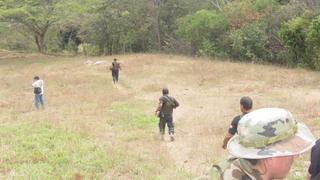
column 155, row 9
column 34, row 16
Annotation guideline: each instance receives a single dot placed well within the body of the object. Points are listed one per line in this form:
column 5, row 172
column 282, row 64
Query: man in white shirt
column 38, row 92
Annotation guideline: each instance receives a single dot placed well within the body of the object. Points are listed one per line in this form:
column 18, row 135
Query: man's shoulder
column 237, row 118
column 172, row 98
column 38, row 81
column 162, row 98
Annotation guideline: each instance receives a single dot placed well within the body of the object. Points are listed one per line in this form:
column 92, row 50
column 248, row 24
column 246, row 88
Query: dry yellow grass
column 79, row 98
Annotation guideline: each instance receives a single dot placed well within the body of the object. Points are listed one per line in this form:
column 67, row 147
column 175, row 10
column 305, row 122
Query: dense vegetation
column 283, row 32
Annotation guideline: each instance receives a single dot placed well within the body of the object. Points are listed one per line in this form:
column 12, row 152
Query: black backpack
column 37, row 90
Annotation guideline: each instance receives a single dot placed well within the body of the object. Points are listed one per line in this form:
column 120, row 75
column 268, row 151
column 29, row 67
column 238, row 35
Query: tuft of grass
column 44, row 152
column 133, row 116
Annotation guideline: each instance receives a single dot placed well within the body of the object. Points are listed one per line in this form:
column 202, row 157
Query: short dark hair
column 36, row 78
column 115, row 59
column 165, row 91
column 246, row 102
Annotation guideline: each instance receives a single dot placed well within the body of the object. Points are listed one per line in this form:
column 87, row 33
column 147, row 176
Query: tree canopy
column 275, row 31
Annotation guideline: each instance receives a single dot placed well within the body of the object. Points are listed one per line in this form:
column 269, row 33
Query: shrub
column 249, row 41
column 89, row 49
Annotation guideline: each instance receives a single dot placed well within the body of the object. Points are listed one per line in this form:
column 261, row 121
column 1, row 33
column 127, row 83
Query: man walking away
column 38, row 92
column 164, row 111
column 115, row 68
column 245, row 107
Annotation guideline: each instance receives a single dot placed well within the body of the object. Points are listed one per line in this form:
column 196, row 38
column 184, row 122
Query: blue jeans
column 38, row 99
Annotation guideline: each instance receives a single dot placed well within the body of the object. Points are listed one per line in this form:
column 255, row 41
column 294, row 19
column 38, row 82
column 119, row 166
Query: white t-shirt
column 38, row 83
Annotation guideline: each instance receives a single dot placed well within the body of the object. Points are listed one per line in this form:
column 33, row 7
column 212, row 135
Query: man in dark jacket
column 164, row 111
column 115, row 68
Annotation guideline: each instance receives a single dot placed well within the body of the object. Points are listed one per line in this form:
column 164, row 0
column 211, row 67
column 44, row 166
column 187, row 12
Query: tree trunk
column 39, row 36
column 39, row 39
column 156, row 12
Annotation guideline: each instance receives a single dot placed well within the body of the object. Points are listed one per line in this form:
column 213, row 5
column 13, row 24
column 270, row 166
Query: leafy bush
column 313, row 40
column 293, row 34
column 201, row 29
column 249, row 41
column 298, row 38
column 89, row 49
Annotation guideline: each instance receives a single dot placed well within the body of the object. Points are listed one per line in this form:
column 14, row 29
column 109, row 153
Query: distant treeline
column 285, row 32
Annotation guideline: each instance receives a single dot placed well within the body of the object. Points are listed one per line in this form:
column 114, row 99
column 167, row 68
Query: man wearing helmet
column 268, row 139
column 164, row 112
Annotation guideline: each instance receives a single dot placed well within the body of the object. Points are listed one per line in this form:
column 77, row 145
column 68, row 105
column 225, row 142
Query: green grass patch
column 45, row 152
column 132, row 116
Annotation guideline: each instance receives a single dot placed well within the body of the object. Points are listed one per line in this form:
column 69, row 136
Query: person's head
column 245, row 104
column 36, row 78
column 273, row 167
column 269, row 139
column 115, row 60
column 165, row 91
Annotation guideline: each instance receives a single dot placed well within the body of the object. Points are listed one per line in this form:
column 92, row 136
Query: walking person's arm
column 226, row 140
column 159, row 108
column 36, row 83
column 176, row 103
column 231, row 132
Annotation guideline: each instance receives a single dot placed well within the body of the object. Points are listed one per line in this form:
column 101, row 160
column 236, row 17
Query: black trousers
column 162, row 124
column 115, row 75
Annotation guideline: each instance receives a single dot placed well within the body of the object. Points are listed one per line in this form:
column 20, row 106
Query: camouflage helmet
column 270, row 132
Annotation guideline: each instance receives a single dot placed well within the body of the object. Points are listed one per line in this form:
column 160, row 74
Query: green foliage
column 33, row 16
column 119, row 27
column 240, row 13
column 45, row 152
column 201, row 27
column 249, row 42
column 265, row 30
column 313, row 39
column 293, row 34
column 203, row 23
column 313, row 36
column 207, row 49
column 89, row 49
column 133, row 116
column 263, row 5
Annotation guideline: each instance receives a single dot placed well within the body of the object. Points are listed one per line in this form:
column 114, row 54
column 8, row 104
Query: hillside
column 93, row 129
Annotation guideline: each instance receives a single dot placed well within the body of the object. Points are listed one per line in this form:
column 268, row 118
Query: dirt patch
column 5, row 54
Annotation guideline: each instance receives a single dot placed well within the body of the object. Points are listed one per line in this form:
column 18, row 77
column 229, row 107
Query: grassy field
column 92, row 129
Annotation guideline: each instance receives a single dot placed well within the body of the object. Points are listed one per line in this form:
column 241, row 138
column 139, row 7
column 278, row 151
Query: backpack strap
column 170, row 101
column 247, row 167
column 216, row 171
